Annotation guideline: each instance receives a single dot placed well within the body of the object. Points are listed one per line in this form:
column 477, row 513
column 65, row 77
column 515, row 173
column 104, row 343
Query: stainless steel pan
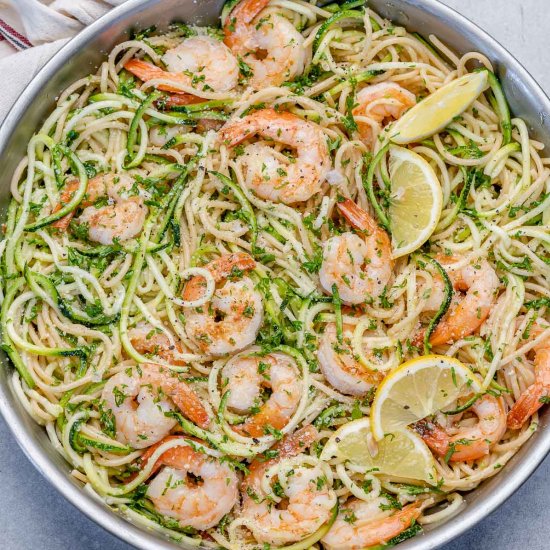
column 82, row 55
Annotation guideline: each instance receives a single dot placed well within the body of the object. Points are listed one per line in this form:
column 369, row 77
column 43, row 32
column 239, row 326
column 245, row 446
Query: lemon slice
column 402, row 454
column 435, row 112
column 415, row 203
column 417, row 389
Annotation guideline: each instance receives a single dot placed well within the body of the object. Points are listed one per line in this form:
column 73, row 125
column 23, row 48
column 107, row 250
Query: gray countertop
column 34, row 515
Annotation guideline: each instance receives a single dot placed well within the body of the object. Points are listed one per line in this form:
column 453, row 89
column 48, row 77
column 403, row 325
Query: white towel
column 38, row 28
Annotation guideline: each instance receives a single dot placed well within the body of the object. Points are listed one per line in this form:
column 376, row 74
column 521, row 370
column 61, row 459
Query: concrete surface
column 33, row 515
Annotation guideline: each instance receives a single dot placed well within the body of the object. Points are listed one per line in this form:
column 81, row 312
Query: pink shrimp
column 468, row 312
column 232, row 318
column 199, row 62
column 380, row 103
column 306, row 503
column 359, row 266
column 373, row 524
column 271, row 46
column 273, row 179
column 140, row 398
column 175, row 491
column 537, row 394
column 245, row 375
column 122, row 218
column 469, row 442
column 340, row 365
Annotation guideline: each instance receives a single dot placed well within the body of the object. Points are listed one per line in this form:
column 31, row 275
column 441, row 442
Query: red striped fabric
column 16, row 39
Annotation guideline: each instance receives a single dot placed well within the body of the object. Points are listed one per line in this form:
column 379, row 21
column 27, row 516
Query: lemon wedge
column 415, row 203
column 403, row 454
column 419, row 388
column 435, row 112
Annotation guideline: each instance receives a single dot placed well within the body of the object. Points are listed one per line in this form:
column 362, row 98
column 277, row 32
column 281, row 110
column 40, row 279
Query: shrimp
column 308, row 498
column 536, row 395
column 122, row 218
column 199, row 62
column 360, row 267
column 272, row 178
column 192, row 487
column 147, row 339
column 341, row 367
column 244, row 377
column 361, row 524
column 232, row 318
column 380, row 103
column 290, row 446
column 270, row 46
column 155, row 389
column 468, row 442
column 469, row 312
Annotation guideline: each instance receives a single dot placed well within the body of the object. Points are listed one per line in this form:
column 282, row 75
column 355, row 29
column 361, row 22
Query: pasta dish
column 283, row 282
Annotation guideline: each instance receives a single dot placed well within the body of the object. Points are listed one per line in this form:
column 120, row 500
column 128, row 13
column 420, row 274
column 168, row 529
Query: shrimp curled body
column 340, row 366
column 308, row 503
column 360, row 267
column 371, row 525
column 192, row 487
column 281, row 45
column 378, row 104
column 199, row 62
column 269, row 173
column 468, row 312
column 246, row 375
column 468, row 442
column 232, row 318
column 139, row 400
column 123, row 216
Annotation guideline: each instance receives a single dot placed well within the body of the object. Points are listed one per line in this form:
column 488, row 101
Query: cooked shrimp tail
column 373, row 524
column 357, row 217
column 470, row 442
column 242, row 15
column 290, row 446
column 529, row 402
column 147, row 71
column 536, row 395
column 65, row 197
column 186, row 400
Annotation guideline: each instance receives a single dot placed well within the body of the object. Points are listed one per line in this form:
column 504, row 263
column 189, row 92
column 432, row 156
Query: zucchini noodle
column 105, row 286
